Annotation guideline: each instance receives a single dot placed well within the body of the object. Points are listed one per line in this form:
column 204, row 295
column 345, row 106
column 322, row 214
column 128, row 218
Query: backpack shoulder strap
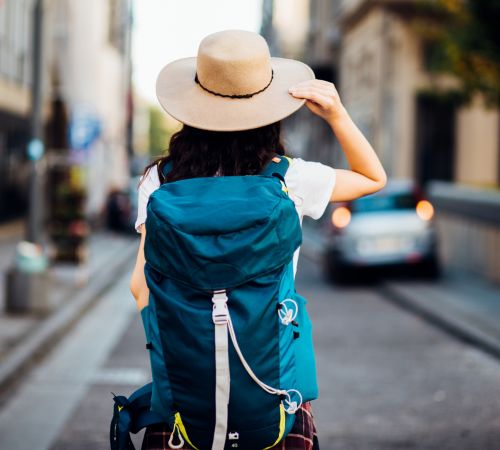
column 130, row 415
column 167, row 167
column 277, row 167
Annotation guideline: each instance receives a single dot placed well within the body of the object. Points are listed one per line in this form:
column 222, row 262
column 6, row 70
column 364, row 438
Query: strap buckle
column 220, row 314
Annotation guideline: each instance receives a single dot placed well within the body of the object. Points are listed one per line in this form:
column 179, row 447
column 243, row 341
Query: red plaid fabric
column 302, row 436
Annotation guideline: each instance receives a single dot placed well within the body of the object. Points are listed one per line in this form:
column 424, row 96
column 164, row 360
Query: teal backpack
column 229, row 337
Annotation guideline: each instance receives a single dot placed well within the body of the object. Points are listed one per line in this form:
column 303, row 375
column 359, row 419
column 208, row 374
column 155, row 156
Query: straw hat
column 233, row 84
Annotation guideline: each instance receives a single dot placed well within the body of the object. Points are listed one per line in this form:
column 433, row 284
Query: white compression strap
column 222, row 377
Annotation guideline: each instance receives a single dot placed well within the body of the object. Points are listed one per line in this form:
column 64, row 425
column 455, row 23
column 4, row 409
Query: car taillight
column 341, row 217
column 425, row 210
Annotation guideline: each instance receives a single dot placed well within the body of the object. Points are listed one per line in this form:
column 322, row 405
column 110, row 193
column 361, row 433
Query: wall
column 468, row 222
column 478, row 145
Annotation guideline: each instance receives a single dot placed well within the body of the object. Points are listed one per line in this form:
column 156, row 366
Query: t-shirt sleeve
column 149, row 182
column 310, row 185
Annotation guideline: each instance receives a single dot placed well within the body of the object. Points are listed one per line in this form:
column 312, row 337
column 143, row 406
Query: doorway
column 435, row 138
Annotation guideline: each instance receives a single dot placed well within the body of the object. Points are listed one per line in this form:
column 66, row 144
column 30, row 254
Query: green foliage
column 462, row 37
column 159, row 134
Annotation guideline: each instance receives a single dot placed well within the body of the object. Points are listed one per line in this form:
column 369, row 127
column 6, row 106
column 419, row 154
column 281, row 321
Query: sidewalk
column 24, row 338
column 464, row 305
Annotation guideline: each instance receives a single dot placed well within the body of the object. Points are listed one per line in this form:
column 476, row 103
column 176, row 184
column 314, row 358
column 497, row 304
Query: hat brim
column 182, row 98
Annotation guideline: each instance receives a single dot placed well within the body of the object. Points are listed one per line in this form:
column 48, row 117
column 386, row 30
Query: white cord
column 263, row 385
column 179, row 435
column 293, row 406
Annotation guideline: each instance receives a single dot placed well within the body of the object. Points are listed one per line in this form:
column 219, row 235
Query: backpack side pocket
column 304, row 352
column 161, row 404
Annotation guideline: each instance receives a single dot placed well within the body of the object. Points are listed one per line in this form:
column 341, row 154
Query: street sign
column 84, row 129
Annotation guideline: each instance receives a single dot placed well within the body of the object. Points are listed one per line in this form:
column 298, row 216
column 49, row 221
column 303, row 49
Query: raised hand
column 322, row 98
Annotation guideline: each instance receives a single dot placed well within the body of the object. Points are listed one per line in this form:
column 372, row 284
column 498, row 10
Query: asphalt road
column 388, row 380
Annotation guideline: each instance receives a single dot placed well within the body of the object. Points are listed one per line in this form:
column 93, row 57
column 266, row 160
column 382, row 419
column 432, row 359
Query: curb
column 450, row 323
column 44, row 338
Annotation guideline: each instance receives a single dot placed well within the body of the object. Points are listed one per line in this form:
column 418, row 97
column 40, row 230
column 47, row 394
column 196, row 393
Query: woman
column 231, row 110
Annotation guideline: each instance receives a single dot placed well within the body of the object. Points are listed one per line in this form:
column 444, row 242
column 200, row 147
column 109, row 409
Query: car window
column 384, row 202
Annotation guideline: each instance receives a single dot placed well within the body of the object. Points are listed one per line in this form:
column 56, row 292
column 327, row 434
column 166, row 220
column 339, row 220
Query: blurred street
column 388, row 379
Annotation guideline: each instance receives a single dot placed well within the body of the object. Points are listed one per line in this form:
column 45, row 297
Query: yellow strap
column 283, row 186
column 281, row 431
column 281, row 428
column 178, row 422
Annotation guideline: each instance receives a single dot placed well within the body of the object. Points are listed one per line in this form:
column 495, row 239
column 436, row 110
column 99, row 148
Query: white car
column 394, row 226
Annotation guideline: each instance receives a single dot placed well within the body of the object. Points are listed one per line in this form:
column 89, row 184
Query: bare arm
column 138, row 285
column 366, row 174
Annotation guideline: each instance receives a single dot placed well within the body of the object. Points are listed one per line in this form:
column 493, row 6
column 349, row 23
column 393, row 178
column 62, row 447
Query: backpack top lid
column 219, row 232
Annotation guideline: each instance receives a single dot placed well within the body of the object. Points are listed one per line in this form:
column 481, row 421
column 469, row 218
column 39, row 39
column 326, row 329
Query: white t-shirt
column 310, row 185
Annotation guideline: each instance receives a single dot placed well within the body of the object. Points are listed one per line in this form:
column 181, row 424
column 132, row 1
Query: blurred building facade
column 421, row 131
column 89, row 66
column 418, row 130
column 15, row 52
column 86, row 91
column 379, row 64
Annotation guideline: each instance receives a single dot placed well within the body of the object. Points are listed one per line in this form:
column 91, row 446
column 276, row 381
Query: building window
column 14, row 37
column 115, row 24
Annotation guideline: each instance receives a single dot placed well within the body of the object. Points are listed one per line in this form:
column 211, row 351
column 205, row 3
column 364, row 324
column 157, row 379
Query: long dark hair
column 201, row 153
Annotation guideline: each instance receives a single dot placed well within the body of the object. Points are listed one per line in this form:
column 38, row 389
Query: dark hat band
column 235, row 96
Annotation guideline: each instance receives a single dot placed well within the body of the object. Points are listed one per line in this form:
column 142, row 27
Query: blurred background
column 403, row 285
